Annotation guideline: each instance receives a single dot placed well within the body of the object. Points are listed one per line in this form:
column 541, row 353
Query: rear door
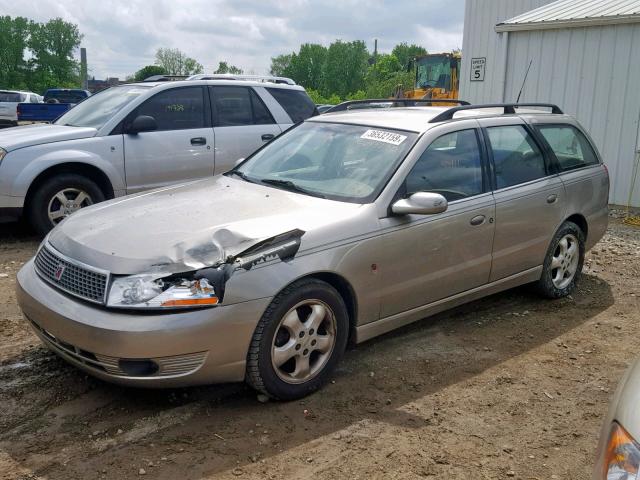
column 242, row 124
column 181, row 149
column 529, row 195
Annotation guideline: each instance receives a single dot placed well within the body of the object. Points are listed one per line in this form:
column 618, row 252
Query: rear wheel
column 563, row 263
column 298, row 341
column 60, row 196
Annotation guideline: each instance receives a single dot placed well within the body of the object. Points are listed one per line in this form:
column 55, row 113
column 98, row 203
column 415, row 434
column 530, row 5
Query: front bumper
column 141, row 349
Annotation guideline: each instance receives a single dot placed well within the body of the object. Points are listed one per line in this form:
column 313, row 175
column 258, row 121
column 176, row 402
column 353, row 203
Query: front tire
column 563, row 264
column 298, row 341
column 60, row 196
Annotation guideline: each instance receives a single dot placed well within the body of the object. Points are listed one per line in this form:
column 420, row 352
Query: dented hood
column 190, row 226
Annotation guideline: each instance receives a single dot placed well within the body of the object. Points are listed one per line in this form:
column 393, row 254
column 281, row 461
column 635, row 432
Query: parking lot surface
column 511, row 386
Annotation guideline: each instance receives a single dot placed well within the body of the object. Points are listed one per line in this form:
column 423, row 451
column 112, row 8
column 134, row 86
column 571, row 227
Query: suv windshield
column 96, row 110
column 349, row 163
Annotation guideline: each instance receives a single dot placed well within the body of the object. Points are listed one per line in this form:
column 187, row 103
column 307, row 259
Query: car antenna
column 523, row 81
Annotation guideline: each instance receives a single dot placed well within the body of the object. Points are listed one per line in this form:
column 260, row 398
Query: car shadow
column 59, row 422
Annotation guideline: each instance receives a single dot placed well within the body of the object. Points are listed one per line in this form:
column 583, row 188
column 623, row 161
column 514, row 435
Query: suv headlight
column 3, row 152
column 153, row 292
column 622, row 455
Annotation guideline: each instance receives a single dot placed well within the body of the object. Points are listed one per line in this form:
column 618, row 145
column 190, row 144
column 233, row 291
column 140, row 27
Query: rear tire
column 298, row 341
column 563, row 264
column 58, row 197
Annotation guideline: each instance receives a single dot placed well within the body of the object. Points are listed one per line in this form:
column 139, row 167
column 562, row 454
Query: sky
column 122, row 36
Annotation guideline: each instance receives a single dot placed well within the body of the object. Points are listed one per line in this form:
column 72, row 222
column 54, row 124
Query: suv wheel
column 298, row 341
column 60, row 196
column 563, row 263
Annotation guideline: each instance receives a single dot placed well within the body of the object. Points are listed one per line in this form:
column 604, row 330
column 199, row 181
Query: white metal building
column 584, row 56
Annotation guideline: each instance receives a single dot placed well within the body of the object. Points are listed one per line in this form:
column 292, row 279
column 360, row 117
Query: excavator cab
column 436, row 76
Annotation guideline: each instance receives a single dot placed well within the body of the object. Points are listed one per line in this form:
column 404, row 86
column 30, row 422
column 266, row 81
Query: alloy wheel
column 564, row 262
column 66, row 202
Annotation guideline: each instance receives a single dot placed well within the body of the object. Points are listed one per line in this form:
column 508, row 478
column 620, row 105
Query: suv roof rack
column 509, row 108
column 248, row 78
column 164, row 78
column 381, row 103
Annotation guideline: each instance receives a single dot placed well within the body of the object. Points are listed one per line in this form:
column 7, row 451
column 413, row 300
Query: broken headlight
column 149, row 291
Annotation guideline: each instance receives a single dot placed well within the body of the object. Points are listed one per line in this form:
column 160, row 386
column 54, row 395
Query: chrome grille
column 67, row 275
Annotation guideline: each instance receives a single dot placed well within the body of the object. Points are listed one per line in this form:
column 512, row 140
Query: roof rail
column 164, row 78
column 381, row 103
column 247, row 78
column 509, row 108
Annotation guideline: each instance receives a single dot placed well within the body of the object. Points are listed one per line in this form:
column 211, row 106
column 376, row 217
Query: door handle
column 267, row 136
column 198, row 141
column 477, row 220
column 552, row 198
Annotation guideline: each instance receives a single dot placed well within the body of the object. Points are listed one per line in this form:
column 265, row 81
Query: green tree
column 52, row 47
column 406, row 53
column 176, row 62
column 280, row 65
column 224, row 67
column 14, row 35
column 148, row 71
column 345, row 68
column 307, row 66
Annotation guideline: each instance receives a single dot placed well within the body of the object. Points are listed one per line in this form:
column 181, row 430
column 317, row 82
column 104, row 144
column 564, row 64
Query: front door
column 181, row 149
column 430, row 257
column 243, row 124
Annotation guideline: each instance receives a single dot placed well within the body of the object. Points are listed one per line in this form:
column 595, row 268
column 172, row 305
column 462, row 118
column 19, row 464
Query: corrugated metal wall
column 592, row 73
column 481, row 40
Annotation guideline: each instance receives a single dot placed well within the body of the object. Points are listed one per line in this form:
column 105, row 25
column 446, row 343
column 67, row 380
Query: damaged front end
column 203, row 287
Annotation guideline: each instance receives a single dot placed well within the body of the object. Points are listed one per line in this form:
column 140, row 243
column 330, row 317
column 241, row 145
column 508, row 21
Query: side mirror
column 238, row 162
column 420, row 203
column 142, row 123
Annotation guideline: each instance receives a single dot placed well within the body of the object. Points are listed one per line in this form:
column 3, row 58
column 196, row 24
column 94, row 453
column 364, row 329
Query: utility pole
column 83, row 69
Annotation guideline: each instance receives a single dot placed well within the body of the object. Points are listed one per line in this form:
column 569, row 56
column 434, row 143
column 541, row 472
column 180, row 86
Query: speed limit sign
column 477, row 69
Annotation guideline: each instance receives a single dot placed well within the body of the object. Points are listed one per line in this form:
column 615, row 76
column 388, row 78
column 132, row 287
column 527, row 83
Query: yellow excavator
column 437, row 76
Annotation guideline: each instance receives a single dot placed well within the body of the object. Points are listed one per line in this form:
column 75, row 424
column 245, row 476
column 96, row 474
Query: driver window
column 450, row 166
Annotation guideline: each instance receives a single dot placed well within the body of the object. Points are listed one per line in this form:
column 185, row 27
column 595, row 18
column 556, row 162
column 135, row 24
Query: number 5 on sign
column 477, row 69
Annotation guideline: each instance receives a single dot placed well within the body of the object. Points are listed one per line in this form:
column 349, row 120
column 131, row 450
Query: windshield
column 349, row 163
column 11, row 97
column 96, row 110
column 434, row 72
column 65, row 96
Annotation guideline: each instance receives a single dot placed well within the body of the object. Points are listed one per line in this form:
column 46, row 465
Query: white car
column 139, row 136
column 9, row 100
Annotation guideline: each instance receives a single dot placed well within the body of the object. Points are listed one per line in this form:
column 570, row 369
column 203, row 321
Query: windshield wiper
column 292, row 187
column 242, row 175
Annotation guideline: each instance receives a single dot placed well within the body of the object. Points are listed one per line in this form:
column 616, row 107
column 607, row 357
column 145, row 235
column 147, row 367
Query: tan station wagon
column 347, row 226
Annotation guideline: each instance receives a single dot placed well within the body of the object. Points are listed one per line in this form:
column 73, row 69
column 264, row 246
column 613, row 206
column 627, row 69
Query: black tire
column 546, row 285
column 261, row 372
column 38, row 204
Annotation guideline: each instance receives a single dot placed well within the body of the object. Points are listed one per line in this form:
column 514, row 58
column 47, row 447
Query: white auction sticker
column 386, row 137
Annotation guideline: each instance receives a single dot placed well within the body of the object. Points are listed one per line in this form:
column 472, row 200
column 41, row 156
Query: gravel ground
column 511, row 386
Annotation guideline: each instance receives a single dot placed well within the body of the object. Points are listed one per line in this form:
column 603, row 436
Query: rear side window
column 296, row 103
column 569, row 145
column 175, row 109
column 450, row 166
column 516, row 157
column 236, row 106
column 10, row 97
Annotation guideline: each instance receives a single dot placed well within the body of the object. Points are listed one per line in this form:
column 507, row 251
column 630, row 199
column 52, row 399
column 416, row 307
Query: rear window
column 296, row 103
column 66, row 96
column 11, row 97
column 569, row 145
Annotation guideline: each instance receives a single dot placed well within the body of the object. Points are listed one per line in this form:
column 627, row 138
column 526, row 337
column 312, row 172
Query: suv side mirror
column 420, row 203
column 142, row 123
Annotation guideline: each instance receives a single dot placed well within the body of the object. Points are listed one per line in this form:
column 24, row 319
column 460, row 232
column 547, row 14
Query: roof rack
column 382, row 103
column 248, row 78
column 509, row 108
column 164, row 78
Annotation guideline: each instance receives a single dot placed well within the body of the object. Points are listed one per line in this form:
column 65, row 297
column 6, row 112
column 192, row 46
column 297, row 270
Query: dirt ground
column 511, row 386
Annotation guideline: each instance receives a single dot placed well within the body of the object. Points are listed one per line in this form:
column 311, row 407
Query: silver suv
column 139, row 136
column 347, row 226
